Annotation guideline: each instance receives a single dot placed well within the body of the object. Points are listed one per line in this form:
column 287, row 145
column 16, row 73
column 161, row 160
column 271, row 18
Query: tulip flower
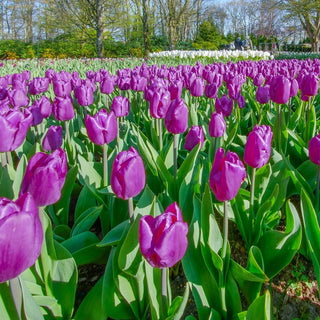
column 84, row 94
column 45, row 176
column 102, row 129
column 163, row 239
column 38, row 85
column 224, row 105
column 37, row 117
column 61, row 84
column 258, row 80
column 314, row 155
column 217, row 125
column 309, row 85
column 159, row 103
column 14, row 126
column 258, row 147
column 53, row 138
column 211, row 90
column 107, row 84
column 138, row 83
column 18, row 98
column 176, row 119
column 194, row 137
column 263, row 94
column 62, row 108
column 120, row 106
column 44, row 105
column 280, row 89
column 21, row 236
column 197, row 87
column 227, row 175
column 175, row 89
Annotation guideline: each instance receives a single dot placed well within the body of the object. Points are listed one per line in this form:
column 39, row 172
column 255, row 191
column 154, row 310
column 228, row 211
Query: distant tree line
column 97, row 28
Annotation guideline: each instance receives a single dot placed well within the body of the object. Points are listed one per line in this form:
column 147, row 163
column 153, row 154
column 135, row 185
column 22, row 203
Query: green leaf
column 312, row 231
column 114, row 235
column 62, row 206
column 278, row 248
column 7, row 307
column 90, row 172
column 19, row 175
column 261, row 308
column 262, row 180
column 178, row 305
column 86, row 220
column 85, row 201
column 5, row 183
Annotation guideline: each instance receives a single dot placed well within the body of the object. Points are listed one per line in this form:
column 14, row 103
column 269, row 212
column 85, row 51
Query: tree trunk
column 100, row 28
column 145, row 28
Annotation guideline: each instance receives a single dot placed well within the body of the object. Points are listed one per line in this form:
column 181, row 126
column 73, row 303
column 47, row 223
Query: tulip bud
column 197, row 87
column 62, row 108
column 224, row 105
column 217, row 125
column 53, row 138
column 241, row 102
column 120, row 106
column 258, row 80
column 294, row 88
column 45, row 176
column 310, row 85
column 280, row 89
column 176, row 119
column 314, row 149
column 102, row 127
column 159, row 103
column 128, row 176
column 163, row 239
column 227, row 175
column 258, row 147
column 263, row 94
column 211, row 90
column 21, row 236
column 194, row 137
column 14, row 126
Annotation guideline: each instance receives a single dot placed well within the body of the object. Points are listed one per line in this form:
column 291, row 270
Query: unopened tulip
column 14, row 126
column 224, row 105
column 159, row 103
column 258, row 147
column 53, row 138
column 314, row 149
column 310, row 85
column 163, row 239
column 120, row 106
column 21, row 236
column 176, row 119
column 217, row 125
column 263, row 94
column 45, row 176
column 194, row 137
column 62, row 108
column 280, row 89
column 197, row 87
column 227, row 175
column 128, row 176
column 211, row 90
column 102, row 127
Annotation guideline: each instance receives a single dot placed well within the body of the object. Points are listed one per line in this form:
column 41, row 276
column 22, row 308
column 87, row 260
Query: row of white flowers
column 216, row 54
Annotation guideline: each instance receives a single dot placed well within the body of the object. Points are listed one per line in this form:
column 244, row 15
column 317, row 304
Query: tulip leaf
column 294, row 120
column 261, row 308
column 115, row 234
column 233, row 298
column 312, row 230
column 262, row 178
column 8, row 309
column 5, row 183
column 62, row 206
column 178, row 305
column 284, row 244
column 90, row 173
column 85, row 201
column 21, row 168
column 86, row 220
column 204, row 287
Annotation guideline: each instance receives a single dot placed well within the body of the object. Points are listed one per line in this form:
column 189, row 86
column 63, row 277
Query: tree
column 308, row 12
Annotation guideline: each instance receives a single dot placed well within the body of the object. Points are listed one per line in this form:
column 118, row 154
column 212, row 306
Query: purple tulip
column 53, row 138
column 224, row 105
column 102, row 127
column 194, row 137
column 45, row 176
column 84, row 94
column 61, row 84
column 211, row 90
column 62, row 108
column 37, row 117
column 217, row 125
column 258, row 147
column 197, row 87
column 21, row 236
column 38, row 85
column 294, row 88
column 18, row 98
column 120, row 106
column 128, row 176
column 258, row 80
column 107, row 84
column 176, row 119
column 241, row 102
column 159, row 103
column 163, row 239
column 124, row 83
column 310, row 85
column 263, row 94
column 227, row 175
column 138, row 83
column 175, row 89
column 314, row 149
column 280, row 89
column 14, row 126
column 44, row 105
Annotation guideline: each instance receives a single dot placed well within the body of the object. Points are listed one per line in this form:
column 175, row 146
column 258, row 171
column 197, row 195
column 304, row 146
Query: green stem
column 9, row 158
column 225, row 231
column 164, row 293
column 279, row 128
column 317, row 192
column 105, row 165
column 159, row 121
column 175, row 154
column 307, row 122
column 251, row 212
column 66, row 123
column 3, row 159
column 130, row 207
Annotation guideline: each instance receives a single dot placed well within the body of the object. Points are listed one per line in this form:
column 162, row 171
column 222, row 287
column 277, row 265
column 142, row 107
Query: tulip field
column 140, row 168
